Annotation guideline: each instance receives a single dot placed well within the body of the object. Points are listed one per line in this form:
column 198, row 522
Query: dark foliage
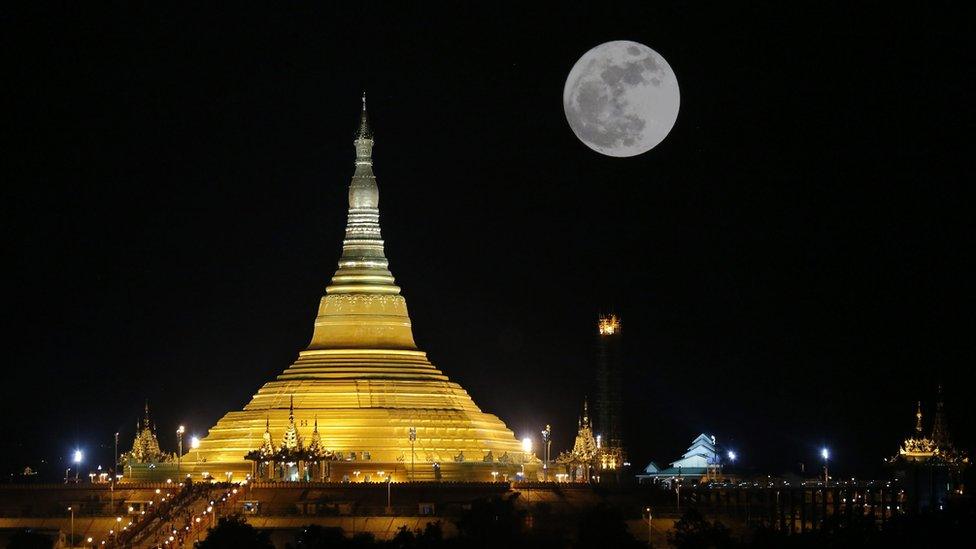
column 234, row 532
column 604, row 526
column 491, row 521
column 29, row 539
column 432, row 536
column 693, row 531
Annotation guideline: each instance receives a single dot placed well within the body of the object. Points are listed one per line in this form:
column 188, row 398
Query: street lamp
column 72, row 511
column 825, row 454
column 195, row 444
column 546, row 438
column 647, row 511
column 412, row 433
column 732, row 456
column 526, row 453
column 77, row 458
column 179, row 455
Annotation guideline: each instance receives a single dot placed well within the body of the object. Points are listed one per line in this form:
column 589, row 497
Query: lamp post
column 526, row 452
column 179, row 454
column 647, row 510
column 732, row 456
column 72, row 511
column 546, row 438
column 825, row 454
column 77, row 458
column 195, row 444
column 412, row 433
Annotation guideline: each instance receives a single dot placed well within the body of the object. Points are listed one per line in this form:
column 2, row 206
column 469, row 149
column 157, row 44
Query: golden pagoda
column 379, row 405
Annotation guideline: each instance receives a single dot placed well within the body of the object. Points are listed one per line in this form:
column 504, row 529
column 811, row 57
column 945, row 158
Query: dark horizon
column 792, row 265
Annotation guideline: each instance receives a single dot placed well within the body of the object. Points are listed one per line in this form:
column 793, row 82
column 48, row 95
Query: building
column 146, row 459
column 929, row 467
column 379, row 404
column 609, row 401
column 589, row 460
column 701, row 462
column 580, row 464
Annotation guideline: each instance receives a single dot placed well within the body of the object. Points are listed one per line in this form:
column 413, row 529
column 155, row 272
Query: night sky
column 793, row 264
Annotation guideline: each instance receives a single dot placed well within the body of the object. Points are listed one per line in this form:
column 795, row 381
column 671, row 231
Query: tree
column 234, row 532
column 29, row 539
column 603, row 526
column 693, row 531
column 490, row 522
column 431, row 536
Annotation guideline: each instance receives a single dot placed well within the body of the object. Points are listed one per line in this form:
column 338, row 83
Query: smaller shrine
column 929, row 467
column 292, row 460
column 146, row 460
column 589, row 460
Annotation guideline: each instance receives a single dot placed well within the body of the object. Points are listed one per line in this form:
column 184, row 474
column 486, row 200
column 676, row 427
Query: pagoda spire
column 364, row 131
column 267, row 444
column 940, row 431
column 363, row 268
column 918, row 418
column 363, row 289
column 315, row 446
column 292, row 440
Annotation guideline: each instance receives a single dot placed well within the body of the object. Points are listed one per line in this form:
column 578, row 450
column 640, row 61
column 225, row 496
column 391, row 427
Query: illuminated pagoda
column 364, row 379
column 929, row 467
column 609, row 401
column 589, row 459
column 580, row 462
column 145, row 454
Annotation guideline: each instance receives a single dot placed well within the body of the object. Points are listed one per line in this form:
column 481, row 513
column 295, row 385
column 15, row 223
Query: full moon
column 621, row 98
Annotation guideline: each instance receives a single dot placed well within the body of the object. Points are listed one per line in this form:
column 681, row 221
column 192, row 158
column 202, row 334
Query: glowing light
column 599, row 441
column 609, row 324
column 824, row 453
column 181, row 430
column 194, row 442
column 78, row 456
column 527, row 445
column 732, row 455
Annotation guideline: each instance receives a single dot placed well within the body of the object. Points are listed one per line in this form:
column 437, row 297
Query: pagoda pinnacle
column 364, row 131
column 918, row 418
column 363, row 268
column 940, row 432
column 363, row 308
